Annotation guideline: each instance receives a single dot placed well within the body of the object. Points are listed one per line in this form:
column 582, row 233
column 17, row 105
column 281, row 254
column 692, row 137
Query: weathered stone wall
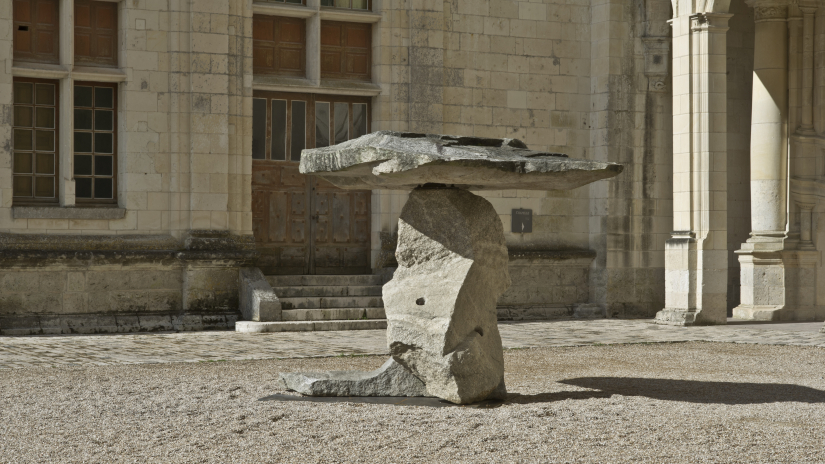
column 546, row 285
column 184, row 134
column 101, row 284
column 631, row 215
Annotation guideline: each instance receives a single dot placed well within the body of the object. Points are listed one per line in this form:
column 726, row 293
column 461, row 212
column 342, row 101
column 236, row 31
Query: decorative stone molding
column 807, row 191
column 58, row 212
column 770, row 13
column 710, row 22
column 657, row 84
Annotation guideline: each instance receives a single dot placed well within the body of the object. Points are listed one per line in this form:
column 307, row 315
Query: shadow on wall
column 691, row 391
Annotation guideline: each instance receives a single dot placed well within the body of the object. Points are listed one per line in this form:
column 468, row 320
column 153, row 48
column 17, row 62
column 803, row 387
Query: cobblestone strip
column 87, row 350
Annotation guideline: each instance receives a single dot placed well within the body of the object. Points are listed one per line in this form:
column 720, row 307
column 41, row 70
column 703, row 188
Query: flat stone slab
column 390, row 400
column 391, row 379
column 404, row 160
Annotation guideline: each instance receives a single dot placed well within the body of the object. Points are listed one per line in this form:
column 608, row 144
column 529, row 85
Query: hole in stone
column 420, row 302
column 479, row 331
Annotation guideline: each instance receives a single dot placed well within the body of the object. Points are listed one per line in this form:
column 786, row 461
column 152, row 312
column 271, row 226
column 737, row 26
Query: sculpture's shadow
column 691, row 391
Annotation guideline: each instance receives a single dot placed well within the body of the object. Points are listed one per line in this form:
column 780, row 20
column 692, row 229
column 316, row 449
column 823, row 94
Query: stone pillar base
column 758, row 313
column 685, row 317
column 669, row 316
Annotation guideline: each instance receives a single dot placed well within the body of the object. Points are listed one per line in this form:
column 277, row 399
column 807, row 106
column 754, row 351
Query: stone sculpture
column 452, row 257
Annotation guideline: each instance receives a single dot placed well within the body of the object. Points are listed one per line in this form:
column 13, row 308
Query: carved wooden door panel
column 280, row 219
column 341, row 235
column 303, row 224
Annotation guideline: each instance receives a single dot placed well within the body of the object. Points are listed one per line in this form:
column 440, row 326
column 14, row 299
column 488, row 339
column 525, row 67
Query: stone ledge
column 309, row 326
column 40, row 259
column 98, row 74
column 324, row 86
column 292, row 11
column 75, row 243
column 551, row 255
column 59, row 212
column 57, row 324
column 353, row 16
column 39, row 70
column 550, row 312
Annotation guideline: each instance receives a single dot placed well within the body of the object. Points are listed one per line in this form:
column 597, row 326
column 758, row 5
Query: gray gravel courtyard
column 664, row 402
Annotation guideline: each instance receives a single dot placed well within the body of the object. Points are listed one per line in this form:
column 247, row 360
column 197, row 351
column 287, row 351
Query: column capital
column 768, row 10
column 808, row 10
column 710, row 22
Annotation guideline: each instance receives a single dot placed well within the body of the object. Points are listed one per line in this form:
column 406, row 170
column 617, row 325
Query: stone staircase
column 324, row 302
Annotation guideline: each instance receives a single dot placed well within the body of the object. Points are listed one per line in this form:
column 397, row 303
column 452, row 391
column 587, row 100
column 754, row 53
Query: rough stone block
column 441, row 303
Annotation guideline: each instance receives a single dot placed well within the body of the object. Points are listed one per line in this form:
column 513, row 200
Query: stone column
column 762, row 275
column 65, row 176
column 807, row 94
column 696, row 261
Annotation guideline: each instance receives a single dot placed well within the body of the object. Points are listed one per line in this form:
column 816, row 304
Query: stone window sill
column 98, row 74
column 352, row 16
column 56, row 71
column 39, row 70
column 282, row 9
column 326, row 13
column 325, row 86
column 57, row 212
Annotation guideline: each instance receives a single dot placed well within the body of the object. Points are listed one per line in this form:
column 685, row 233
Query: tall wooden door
column 303, row 224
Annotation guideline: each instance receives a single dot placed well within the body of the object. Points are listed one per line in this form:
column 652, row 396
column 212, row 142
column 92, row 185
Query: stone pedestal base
column 758, row 313
column 670, row 316
column 695, row 282
column 762, row 279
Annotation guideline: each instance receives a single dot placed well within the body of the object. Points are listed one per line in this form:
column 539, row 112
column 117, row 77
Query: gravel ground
column 682, row 402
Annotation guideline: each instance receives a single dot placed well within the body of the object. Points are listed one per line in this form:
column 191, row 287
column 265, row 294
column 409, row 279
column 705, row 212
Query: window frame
column 311, row 99
column 106, row 202
column 33, row 200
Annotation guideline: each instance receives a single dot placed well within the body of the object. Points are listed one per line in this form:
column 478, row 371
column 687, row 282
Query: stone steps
column 327, row 291
column 324, row 302
column 309, row 326
column 323, row 280
column 309, row 302
column 330, row 314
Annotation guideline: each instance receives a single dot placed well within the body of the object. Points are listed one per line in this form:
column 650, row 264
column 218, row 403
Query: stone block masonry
column 108, row 286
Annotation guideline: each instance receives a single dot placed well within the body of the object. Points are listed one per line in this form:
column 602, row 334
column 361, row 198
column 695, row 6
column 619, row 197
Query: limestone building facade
column 148, row 150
